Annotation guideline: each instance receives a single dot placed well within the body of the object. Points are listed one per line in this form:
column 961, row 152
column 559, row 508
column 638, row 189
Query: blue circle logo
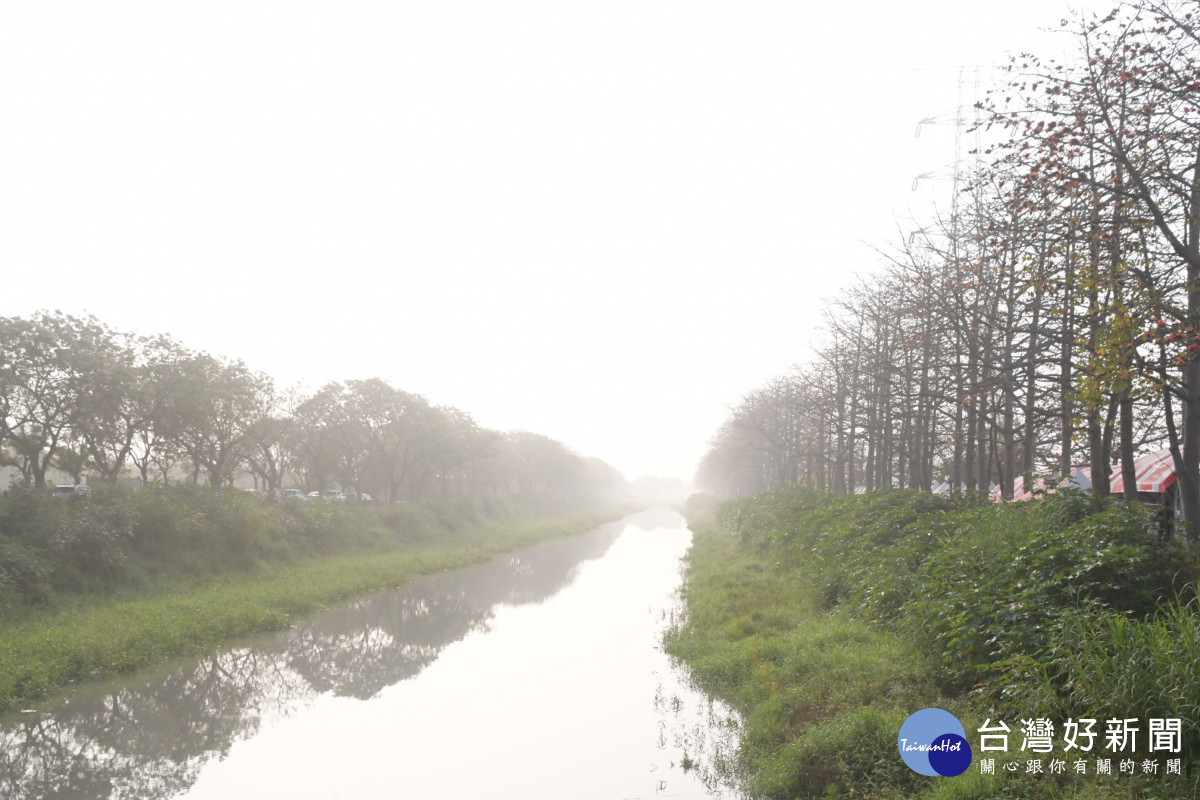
column 933, row 742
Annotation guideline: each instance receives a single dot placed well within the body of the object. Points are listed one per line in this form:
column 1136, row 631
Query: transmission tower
column 958, row 118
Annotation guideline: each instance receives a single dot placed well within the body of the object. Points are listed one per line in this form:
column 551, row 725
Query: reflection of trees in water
column 151, row 739
column 366, row 646
column 135, row 741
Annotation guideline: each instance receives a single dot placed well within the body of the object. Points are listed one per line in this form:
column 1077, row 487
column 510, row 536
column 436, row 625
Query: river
column 537, row 675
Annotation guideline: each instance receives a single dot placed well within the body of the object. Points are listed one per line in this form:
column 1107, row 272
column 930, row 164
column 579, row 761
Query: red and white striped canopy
column 1021, row 492
column 1155, row 473
column 1080, row 478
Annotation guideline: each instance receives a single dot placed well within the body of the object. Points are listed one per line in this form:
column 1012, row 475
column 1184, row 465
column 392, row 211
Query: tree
column 220, row 402
column 46, row 374
column 109, row 416
column 268, row 455
column 1116, row 135
column 313, row 438
column 156, row 416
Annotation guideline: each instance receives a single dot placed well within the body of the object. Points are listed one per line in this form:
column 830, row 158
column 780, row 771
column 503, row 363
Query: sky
column 604, row 222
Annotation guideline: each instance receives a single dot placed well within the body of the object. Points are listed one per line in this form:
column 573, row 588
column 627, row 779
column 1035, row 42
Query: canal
column 537, row 675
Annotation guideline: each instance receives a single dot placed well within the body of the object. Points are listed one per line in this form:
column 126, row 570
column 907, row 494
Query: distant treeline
column 81, row 397
column 1051, row 318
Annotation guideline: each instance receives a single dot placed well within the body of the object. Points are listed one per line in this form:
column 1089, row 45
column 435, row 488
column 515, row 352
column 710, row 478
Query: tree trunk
column 1128, row 470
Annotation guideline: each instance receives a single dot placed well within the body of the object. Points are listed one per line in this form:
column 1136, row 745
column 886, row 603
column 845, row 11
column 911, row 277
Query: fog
column 599, row 222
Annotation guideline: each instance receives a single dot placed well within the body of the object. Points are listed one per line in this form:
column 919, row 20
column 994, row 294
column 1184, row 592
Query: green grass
column 92, row 636
column 820, row 694
column 825, row 621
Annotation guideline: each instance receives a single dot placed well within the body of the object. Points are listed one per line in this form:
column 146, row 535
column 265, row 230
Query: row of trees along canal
column 1052, row 319
column 81, row 397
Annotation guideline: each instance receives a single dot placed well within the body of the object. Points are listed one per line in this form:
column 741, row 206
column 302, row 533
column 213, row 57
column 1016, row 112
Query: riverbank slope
column 123, row 581
column 825, row 621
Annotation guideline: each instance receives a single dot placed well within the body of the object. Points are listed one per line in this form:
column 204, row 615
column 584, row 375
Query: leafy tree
column 154, row 397
column 220, row 402
column 268, row 455
column 46, row 377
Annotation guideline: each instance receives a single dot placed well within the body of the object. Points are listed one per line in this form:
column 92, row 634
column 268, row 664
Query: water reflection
column 151, row 738
column 705, row 732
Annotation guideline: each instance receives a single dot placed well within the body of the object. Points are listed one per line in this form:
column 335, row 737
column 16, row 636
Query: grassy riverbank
column 825, row 621
column 189, row 568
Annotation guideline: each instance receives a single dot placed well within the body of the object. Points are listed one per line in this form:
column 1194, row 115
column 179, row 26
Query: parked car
column 291, row 494
column 71, row 490
column 333, row 494
column 313, row 496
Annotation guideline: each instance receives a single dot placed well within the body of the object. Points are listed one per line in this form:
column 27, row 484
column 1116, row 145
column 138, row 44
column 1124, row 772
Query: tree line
column 1050, row 319
column 81, row 397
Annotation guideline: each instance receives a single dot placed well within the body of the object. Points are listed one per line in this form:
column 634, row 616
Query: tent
column 1154, row 473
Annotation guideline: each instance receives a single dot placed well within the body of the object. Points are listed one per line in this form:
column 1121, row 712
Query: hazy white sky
column 600, row 221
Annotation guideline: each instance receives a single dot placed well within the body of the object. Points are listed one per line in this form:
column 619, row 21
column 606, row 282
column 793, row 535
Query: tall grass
column 1109, row 664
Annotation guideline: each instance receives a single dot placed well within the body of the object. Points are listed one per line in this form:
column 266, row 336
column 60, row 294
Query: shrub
column 993, row 591
column 1068, row 605
column 980, row 586
column 24, row 576
column 92, row 548
column 119, row 537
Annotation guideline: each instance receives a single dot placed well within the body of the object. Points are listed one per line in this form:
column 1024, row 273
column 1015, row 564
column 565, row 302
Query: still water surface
column 537, row 675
